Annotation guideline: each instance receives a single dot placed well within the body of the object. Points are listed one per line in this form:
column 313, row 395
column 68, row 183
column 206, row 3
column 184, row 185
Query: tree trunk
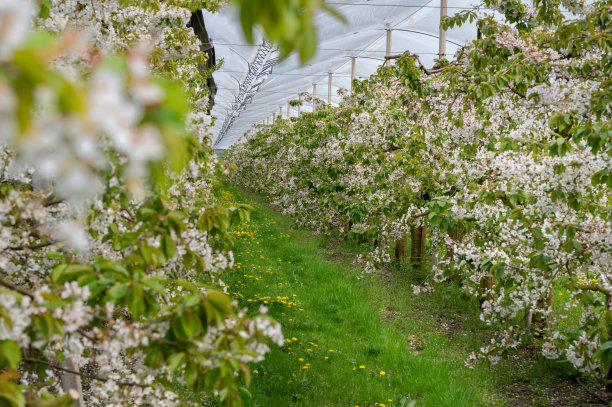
column 455, row 234
column 485, row 285
column 528, row 318
column 541, row 322
column 401, row 249
column 545, row 322
column 419, row 238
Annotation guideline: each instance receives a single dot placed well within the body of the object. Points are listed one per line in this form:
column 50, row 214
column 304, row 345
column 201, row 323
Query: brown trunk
column 528, row 319
column 551, row 298
column 401, row 249
column 539, row 321
column 419, row 238
column 434, row 255
column 456, row 234
column 546, row 302
column 485, row 285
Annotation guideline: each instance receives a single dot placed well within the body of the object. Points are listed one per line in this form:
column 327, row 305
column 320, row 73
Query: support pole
column 314, row 97
column 353, row 65
column 273, row 117
column 442, row 45
column 389, row 41
column 299, row 105
column 288, row 110
column 72, row 382
column 280, row 112
column 329, row 84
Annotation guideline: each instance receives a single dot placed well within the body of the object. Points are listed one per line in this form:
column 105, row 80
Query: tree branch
column 421, row 66
column 14, row 287
column 31, row 246
column 87, row 376
column 52, row 202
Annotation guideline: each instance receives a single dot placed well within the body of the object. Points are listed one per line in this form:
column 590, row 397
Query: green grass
column 341, row 323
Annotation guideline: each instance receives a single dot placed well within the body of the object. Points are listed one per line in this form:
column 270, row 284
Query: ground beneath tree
column 369, row 341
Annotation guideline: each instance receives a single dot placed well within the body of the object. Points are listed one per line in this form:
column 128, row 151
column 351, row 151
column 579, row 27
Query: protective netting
column 414, row 25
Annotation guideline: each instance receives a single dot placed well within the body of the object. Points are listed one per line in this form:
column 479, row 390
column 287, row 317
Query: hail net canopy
column 252, row 85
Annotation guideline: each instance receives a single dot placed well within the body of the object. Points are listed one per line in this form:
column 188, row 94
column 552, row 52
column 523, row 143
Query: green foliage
column 289, row 24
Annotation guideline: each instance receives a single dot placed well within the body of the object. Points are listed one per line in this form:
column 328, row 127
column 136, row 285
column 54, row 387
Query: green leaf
column 118, row 291
column 11, row 395
column 218, row 306
column 168, row 246
column 69, row 272
column 191, row 373
column 175, row 361
column 155, row 284
column 10, row 354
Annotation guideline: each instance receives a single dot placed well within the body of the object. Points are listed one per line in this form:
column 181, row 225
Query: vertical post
column 388, row 42
column 401, row 249
column 71, row 383
column 299, row 104
column 353, row 65
column 288, row 110
column 329, row 86
column 273, row 117
column 280, row 112
column 442, row 45
column 419, row 238
column 314, row 97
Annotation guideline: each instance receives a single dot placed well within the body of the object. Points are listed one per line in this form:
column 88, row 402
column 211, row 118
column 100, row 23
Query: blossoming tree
column 503, row 155
column 111, row 243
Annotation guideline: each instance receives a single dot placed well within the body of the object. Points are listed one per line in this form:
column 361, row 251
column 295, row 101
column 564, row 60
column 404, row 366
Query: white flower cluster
column 96, row 229
column 503, row 179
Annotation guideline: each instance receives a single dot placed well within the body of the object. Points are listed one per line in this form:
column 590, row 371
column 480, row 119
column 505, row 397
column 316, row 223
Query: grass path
column 349, row 341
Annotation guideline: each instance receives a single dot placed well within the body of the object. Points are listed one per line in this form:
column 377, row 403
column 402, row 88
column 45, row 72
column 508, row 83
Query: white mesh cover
column 242, row 101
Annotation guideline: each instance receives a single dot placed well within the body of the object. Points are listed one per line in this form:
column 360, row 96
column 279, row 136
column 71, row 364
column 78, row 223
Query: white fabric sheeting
column 414, row 28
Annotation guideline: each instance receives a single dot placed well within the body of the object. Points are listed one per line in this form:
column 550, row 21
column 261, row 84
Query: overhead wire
column 403, row 6
column 330, row 49
column 359, row 52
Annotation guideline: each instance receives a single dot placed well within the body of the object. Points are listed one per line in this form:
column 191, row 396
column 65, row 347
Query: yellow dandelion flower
column 382, row 373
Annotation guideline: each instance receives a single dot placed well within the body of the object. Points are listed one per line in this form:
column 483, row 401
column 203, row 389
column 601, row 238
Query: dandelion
column 382, row 373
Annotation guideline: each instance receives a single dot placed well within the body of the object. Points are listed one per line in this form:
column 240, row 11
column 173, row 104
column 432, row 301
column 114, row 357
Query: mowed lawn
column 339, row 349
